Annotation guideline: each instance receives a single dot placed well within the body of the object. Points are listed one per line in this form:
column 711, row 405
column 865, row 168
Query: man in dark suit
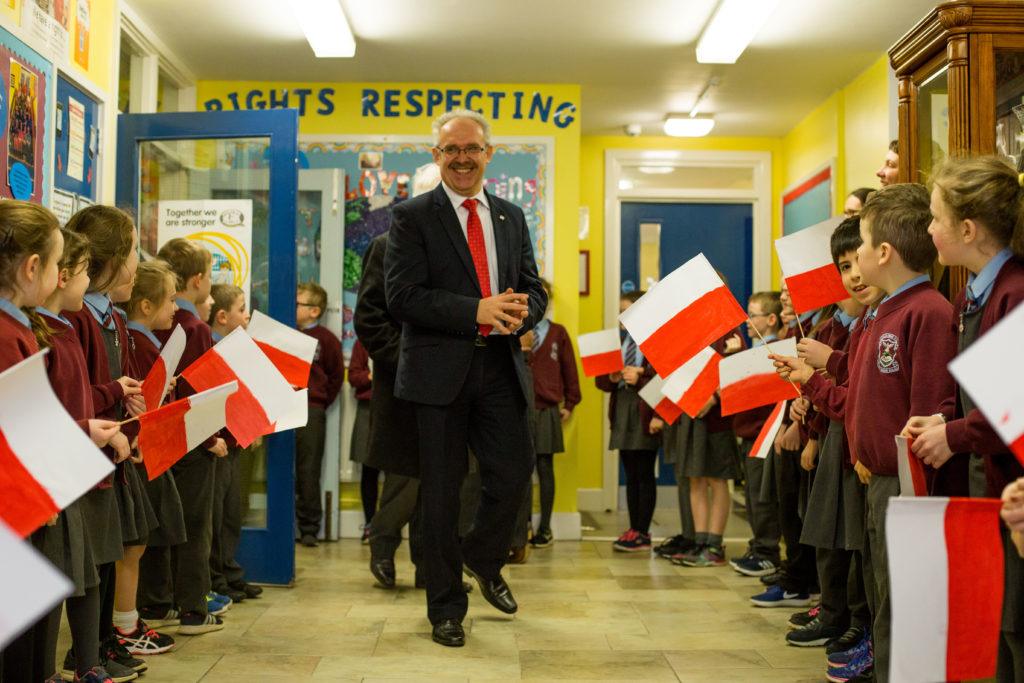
column 462, row 280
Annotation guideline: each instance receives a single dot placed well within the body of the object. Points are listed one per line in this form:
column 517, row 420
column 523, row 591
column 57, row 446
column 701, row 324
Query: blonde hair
column 224, row 297
column 186, row 260
column 154, row 282
column 988, row 190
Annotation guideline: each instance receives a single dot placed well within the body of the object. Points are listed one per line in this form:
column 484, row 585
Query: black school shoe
column 112, row 650
column 677, row 545
column 117, row 672
column 251, row 590
column 846, row 642
column 815, row 634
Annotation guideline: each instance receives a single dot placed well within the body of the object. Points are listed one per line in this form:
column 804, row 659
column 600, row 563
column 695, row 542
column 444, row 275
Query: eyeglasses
column 757, row 315
column 452, row 151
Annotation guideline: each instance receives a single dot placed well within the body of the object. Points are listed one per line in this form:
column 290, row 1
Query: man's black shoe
column 384, row 571
column 495, row 592
column 849, row 640
column 448, row 632
column 251, row 590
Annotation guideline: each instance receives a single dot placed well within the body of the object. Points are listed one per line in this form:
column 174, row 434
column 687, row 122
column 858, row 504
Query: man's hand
column 122, row 449
column 219, row 448
column 930, row 445
column 794, row 369
column 129, row 385
column 657, row 424
column 102, row 431
column 813, row 352
column 863, row 473
column 504, row 312
column 809, row 456
column 631, row 374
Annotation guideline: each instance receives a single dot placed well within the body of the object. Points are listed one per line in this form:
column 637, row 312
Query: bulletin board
column 76, row 140
column 27, row 113
column 809, row 201
column 379, row 174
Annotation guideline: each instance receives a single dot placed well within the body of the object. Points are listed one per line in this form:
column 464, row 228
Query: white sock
column 126, row 621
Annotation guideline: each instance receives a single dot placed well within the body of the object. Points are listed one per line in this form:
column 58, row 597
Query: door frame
column 760, row 197
column 262, row 551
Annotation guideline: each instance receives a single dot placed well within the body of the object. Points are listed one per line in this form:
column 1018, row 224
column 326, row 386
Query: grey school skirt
column 547, row 432
column 706, row 454
column 137, row 515
column 628, row 433
column 103, row 524
column 360, row 448
column 835, row 506
column 78, row 562
column 166, row 502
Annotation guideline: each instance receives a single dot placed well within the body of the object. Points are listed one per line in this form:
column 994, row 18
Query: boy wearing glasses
column 325, row 378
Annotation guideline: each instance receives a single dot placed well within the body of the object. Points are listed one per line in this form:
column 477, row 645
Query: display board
column 809, row 201
column 26, row 110
column 76, row 140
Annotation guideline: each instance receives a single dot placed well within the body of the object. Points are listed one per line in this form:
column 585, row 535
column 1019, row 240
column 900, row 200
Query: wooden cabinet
column 960, row 73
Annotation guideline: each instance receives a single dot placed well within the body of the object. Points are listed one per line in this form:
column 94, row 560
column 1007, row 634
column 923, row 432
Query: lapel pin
column 501, row 216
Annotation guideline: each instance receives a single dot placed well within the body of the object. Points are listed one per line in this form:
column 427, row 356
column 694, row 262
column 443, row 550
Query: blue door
column 248, row 161
column 723, row 232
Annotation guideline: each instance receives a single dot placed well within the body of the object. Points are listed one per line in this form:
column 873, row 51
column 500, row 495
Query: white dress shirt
column 483, row 210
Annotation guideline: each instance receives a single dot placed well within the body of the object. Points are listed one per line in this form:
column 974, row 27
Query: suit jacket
column 432, row 289
column 394, row 439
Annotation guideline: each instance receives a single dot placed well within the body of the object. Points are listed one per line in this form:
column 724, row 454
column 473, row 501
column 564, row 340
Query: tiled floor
column 586, row 613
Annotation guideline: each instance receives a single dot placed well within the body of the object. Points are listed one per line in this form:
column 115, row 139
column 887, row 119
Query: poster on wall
column 808, row 202
column 48, row 21
column 24, row 111
column 82, row 23
column 224, row 226
column 75, row 159
column 379, row 174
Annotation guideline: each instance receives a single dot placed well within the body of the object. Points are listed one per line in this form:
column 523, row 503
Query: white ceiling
column 633, row 58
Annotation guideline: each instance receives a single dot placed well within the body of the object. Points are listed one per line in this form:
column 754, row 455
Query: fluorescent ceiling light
column 625, row 184
column 731, row 29
column 686, row 127
column 325, row 27
column 655, row 170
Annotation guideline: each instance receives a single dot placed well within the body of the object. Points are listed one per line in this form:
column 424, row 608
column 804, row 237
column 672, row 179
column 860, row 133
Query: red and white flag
column 749, row 379
column 601, row 352
column 946, row 587
column 154, row 387
column 682, row 314
column 983, row 369
column 46, row 460
column 652, row 394
column 762, row 447
column 290, row 350
column 808, row 269
column 169, row 432
column 694, row 382
column 911, row 469
column 31, row 586
column 297, row 414
column 263, row 395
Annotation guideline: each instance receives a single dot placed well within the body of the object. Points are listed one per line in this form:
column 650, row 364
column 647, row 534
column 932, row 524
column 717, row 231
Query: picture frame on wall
column 584, row 272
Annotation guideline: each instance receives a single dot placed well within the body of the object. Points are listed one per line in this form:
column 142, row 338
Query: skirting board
column 566, row 526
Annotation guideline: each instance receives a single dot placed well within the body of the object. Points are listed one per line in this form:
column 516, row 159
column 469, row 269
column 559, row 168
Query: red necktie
column 478, row 249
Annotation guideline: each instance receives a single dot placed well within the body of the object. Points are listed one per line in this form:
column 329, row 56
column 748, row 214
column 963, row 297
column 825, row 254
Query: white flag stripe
column 672, row 294
column 48, row 443
column 297, row 416
column 31, row 585
column 753, row 361
column 682, row 379
column 651, row 392
column 807, row 249
column 265, row 329
column 256, row 371
column 206, row 413
column 919, row 585
column 171, row 353
column 764, row 448
column 983, row 370
column 604, row 341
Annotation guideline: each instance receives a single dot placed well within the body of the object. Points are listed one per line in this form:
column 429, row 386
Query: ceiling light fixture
column 655, row 170
column 683, row 126
column 625, row 184
column 325, row 26
column 731, row 29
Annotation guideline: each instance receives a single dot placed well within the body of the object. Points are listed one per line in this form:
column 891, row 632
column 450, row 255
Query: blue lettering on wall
column 254, row 100
column 452, row 99
column 470, row 96
column 391, row 103
column 279, row 99
column 434, row 98
column 541, row 106
column 413, row 97
column 519, row 105
column 564, row 114
column 496, row 98
column 302, row 94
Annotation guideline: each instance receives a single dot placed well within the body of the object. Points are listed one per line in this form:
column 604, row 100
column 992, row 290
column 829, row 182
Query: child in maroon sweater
column 325, row 378
column 976, row 208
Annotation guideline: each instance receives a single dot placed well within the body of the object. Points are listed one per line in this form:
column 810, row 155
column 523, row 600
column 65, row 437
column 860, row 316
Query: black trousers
column 546, row 478
column 488, row 416
column 844, row 601
column 227, row 520
column 800, row 574
column 309, row 458
column 641, row 487
column 399, row 503
column 761, row 513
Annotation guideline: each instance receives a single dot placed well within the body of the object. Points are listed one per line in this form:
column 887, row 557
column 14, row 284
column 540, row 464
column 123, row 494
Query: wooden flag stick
column 800, row 326
column 130, row 419
column 765, row 342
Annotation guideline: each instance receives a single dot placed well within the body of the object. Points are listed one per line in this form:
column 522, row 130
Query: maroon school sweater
column 900, row 371
column 359, row 373
column 16, row 341
column 553, row 363
column 328, row 370
column 972, row 433
column 198, row 340
column 68, row 373
column 604, row 383
column 106, row 391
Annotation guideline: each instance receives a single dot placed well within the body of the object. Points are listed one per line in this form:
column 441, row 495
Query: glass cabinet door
column 1009, row 83
column 932, row 123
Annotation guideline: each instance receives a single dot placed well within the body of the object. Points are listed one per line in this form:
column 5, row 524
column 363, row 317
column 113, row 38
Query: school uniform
column 673, row 445
column 991, row 294
column 326, row 375
column 708, row 444
column 359, row 376
column 909, row 331
column 179, row 576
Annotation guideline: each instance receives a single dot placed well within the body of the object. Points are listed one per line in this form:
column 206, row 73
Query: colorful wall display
column 379, row 174
column 26, row 114
column 77, row 140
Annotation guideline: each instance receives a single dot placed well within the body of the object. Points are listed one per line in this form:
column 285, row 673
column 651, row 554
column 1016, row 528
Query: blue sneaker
column 776, row 596
column 751, row 565
column 217, row 604
column 859, row 669
column 841, row 659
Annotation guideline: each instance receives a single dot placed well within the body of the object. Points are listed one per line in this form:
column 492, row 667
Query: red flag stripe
column 706, row 384
column 294, row 369
column 755, row 391
column 24, row 504
column 162, row 437
column 816, row 288
column 975, row 588
column 154, row 384
column 692, row 329
column 916, row 471
column 766, row 430
column 602, row 363
column 668, row 411
column 246, row 419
